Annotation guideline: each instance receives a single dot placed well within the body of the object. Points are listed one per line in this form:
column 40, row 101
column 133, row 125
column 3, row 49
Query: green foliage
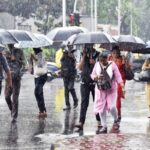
column 49, row 53
column 48, row 11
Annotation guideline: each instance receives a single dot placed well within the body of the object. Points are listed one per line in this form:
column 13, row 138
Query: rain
column 43, row 108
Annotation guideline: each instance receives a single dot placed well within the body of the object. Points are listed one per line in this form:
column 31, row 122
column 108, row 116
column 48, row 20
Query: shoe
column 14, row 120
column 42, row 115
column 75, row 106
column 67, row 108
column 45, row 114
column 119, row 119
column 116, row 125
column 98, row 129
column 103, row 130
column 79, row 126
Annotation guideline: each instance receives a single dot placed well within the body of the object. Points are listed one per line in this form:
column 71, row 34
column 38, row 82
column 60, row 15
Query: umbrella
column 70, row 40
column 61, row 34
column 39, row 40
column 2, row 47
column 20, row 35
column 95, row 38
column 142, row 50
column 129, row 42
column 6, row 37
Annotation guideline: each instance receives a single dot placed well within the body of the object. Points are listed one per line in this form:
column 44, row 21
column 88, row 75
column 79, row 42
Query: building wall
column 7, row 21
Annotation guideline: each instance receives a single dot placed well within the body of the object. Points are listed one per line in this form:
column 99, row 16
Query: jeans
column 13, row 102
column 69, row 88
column 85, row 95
column 39, row 83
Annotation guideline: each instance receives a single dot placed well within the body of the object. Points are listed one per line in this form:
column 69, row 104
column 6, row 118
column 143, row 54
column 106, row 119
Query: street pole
column 131, row 20
column 64, row 12
column 119, row 16
column 92, row 15
column 131, row 24
column 75, row 6
column 95, row 8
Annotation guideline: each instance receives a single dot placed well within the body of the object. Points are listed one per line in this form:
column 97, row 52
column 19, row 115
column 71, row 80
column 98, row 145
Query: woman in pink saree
column 105, row 100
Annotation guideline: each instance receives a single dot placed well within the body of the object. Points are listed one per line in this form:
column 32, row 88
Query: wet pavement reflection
column 12, row 135
column 69, row 121
column 57, row 131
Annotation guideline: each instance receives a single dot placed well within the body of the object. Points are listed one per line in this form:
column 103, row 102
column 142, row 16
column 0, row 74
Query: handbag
column 129, row 74
column 144, row 75
column 104, row 83
column 39, row 71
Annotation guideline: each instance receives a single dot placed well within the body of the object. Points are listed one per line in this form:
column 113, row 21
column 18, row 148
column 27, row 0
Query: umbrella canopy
column 39, row 40
column 70, row 40
column 129, row 42
column 6, row 37
column 95, row 38
column 63, row 33
column 2, row 47
column 142, row 50
column 20, row 35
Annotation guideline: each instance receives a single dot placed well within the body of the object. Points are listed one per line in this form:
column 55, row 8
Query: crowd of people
column 94, row 66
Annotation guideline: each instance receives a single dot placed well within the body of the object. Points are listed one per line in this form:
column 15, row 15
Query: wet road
column 57, row 133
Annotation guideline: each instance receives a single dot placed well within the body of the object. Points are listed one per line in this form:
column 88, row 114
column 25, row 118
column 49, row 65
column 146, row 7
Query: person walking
column 105, row 99
column 146, row 66
column 87, row 86
column 16, row 62
column 68, row 72
column 4, row 66
column 121, row 64
column 39, row 70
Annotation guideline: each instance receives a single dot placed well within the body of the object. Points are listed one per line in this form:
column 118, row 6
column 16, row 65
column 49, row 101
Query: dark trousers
column 69, row 88
column 13, row 101
column 85, row 96
column 0, row 87
column 39, row 83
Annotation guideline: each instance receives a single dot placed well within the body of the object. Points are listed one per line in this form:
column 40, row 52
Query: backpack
column 68, row 67
column 129, row 74
column 15, row 70
column 104, row 83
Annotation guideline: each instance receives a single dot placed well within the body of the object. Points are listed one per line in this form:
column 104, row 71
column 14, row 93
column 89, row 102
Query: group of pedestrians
column 12, row 61
column 91, row 65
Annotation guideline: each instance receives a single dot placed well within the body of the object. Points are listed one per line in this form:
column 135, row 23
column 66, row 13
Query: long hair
column 147, row 62
column 37, row 50
column 116, row 50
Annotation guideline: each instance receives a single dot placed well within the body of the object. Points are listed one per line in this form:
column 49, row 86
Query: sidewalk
column 57, row 133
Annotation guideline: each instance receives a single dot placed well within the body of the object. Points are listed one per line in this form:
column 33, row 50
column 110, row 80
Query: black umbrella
column 6, row 37
column 142, row 51
column 129, row 42
column 61, row 34
column 20, row 35
column 94, row 37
